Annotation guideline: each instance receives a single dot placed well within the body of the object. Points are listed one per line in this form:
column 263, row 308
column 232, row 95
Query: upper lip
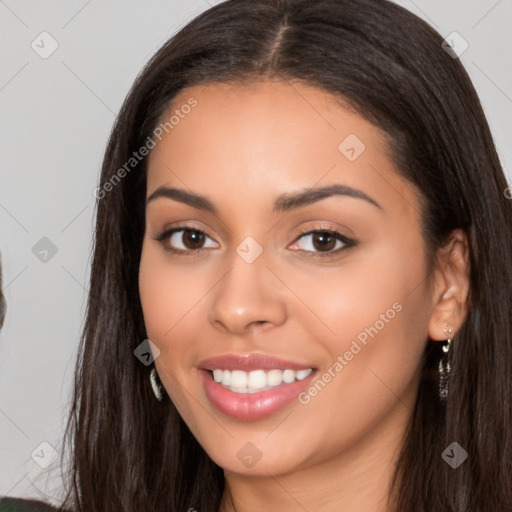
column 249, row 362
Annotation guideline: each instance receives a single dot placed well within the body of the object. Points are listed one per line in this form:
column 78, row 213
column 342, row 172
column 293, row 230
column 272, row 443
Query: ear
column 450, row 287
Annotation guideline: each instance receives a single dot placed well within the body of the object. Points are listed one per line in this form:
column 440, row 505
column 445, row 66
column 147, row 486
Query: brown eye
column 192, row 239
column 185, row 240
column 323, row 241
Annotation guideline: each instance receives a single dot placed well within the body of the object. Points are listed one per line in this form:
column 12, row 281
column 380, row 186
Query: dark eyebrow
column 195, row 200
column 283, row 203
column 288, row 202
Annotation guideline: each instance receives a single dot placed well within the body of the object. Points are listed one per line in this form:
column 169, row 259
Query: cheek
column 372, row 310
column 164, row 299
column 171, row 296
column 156, row 300
column 167, row 293
column 378, row 312
column 373, row 289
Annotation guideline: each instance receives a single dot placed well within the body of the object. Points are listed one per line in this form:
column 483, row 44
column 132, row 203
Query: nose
column 246, row 298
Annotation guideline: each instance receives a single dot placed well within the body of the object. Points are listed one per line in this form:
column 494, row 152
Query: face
column 282, row 277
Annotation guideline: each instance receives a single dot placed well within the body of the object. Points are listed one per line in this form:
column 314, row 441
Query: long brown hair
column 132, row 453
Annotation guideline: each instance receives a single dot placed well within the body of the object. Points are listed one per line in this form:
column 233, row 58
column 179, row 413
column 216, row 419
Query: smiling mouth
column 256, row 393
column 240, row 381
column 252, row 386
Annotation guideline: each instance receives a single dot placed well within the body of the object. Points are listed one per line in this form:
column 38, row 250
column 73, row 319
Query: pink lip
column 251, row 406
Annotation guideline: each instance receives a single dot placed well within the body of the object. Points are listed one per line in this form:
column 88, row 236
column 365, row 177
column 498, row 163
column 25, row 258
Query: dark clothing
column 22, row 505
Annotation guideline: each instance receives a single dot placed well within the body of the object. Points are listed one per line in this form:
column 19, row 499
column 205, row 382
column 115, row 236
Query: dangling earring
column 157, row 388
column 444, row 364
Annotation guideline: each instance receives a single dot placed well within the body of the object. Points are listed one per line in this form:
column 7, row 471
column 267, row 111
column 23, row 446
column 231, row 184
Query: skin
column 242, row 146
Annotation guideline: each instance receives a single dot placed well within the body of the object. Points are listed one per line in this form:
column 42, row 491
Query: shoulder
column 22, row 505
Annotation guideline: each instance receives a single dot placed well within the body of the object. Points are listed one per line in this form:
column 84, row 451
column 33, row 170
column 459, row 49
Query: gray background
column 56, row 115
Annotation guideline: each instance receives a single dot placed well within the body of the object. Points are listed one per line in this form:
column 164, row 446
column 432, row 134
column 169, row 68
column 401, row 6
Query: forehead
column 270, row 136
column 269, row 113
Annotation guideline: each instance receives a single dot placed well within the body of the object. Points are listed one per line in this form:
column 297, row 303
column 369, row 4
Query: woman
column 302, row 208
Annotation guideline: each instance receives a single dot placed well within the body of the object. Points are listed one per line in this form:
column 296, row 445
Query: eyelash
column 166, row 234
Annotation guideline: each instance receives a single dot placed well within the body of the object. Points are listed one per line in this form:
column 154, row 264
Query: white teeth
column 288, row 376
column 302, row 374
column 241, row 381
column 274, row 377
column 257, row 379
column 226, row 378
column 238, row 379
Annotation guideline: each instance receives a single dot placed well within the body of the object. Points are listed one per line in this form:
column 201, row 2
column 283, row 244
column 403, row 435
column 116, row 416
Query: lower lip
column 252, row 406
